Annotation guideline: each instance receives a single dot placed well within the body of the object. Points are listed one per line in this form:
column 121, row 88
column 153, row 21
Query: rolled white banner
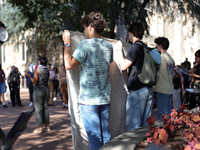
column 32, row 67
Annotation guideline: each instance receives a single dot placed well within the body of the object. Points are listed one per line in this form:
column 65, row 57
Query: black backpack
column 14, row 77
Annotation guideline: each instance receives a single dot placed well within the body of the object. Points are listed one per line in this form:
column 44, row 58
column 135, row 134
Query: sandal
column 38, row 130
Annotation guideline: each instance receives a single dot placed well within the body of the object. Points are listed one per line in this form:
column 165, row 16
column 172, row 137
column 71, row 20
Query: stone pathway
column 59, row 138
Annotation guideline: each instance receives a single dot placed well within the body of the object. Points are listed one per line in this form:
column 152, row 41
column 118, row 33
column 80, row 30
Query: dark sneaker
column 21, row 105
column 5, row 106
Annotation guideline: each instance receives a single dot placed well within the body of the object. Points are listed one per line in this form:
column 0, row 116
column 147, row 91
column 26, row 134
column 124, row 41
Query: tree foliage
column 50, row 17
column 13, row 19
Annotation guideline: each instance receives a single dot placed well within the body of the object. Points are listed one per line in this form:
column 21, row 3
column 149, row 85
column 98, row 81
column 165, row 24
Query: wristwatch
column 67, row 45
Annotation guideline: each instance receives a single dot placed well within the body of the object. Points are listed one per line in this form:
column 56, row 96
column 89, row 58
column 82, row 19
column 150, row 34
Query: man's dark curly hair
column 137, row 29
column 162, row 41
column 96, row 20
column 43, row 60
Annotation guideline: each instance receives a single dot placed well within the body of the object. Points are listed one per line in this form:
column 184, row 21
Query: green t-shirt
column 95, row 56
column 165, row 81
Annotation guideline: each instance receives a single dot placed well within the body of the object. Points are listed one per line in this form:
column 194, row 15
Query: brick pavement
column 59, row 138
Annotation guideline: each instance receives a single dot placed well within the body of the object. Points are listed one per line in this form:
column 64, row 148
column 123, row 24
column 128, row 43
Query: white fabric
column 32, row 67
column 118, row 97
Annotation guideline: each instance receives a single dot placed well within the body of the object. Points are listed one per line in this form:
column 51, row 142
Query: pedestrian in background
column 2, row 86
column 50, row 83
column 9, row 83
column 14, row 80
column 63, row 86
column 7, row 72
column 55, row 83
column 195, row 71
column 41, row 95
column 29, row 84
column 178, row 81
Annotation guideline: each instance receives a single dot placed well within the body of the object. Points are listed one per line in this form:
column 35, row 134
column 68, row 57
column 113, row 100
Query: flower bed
column 181, row 130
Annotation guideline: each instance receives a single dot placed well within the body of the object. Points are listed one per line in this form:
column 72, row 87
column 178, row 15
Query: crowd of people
column 183, row 77
column 42, row 83
column 10, row 86
column 93, row 56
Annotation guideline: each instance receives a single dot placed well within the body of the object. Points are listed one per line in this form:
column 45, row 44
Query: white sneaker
column 31, row 103
column 54, row 99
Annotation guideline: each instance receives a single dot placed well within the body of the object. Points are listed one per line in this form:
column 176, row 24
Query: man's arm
column 123, row 63
column 35, row 77
column 70, row 62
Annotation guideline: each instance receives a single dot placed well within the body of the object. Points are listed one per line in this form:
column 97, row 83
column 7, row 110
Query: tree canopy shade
column 66, row 14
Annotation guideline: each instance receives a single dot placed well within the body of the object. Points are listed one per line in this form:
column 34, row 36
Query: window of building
column 23, row 51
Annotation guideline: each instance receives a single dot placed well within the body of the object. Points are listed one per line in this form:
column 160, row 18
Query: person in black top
column 139, row 101
column 14, row 79
column 194, row 73
column 41, row 95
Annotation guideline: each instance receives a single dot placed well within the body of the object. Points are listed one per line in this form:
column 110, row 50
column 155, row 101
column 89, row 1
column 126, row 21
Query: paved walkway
column 59, row 138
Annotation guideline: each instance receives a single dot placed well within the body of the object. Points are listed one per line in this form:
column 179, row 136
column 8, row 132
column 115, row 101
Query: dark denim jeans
column 96, row 123
column 138, row 108
column 30, row 88
column 40, row 99
column 164, row 103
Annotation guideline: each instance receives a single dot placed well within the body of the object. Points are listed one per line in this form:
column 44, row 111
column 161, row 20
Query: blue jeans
column 164, row 102
column 96, row 123
column 138, row 108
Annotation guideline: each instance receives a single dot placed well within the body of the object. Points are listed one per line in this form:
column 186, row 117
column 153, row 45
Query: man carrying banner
column 139, row 101
column 93, row 56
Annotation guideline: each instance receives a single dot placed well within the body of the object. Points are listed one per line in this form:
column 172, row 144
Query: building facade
column 183, row 43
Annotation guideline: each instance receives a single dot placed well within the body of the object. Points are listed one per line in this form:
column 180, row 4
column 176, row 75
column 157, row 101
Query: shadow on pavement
column 59, row 138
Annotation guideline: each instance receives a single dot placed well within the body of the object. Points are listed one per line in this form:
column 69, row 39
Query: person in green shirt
column 93, row 57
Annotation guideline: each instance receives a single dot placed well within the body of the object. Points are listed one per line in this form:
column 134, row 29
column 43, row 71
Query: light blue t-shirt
column 95, row 56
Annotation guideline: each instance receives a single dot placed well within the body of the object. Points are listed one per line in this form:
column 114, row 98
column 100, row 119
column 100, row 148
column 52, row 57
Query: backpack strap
column 134, row 69
column 144, row 45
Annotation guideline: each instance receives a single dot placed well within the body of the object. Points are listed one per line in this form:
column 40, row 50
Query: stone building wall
column 182, row 44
